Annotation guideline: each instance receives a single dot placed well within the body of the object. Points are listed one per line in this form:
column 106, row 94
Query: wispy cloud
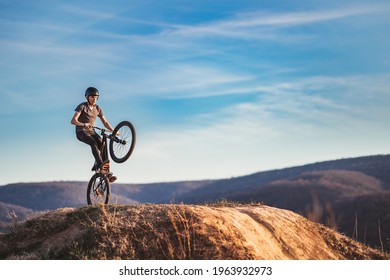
column 187, row 81
column 97, row 14
column 243, row 25
column 326, row 104
column 297, row 18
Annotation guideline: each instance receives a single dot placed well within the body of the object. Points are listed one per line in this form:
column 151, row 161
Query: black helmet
column 91, row 91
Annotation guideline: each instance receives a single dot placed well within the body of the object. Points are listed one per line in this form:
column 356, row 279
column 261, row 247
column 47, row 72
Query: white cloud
column 262, row 25
column 187, row 81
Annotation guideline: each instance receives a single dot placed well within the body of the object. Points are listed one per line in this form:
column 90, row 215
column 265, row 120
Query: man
column 84, row 119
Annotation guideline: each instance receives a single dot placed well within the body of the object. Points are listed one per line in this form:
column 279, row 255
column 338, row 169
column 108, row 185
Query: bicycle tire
column 98, row 191
column 121, row 147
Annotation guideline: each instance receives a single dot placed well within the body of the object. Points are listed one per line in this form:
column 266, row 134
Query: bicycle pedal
column 112, row 179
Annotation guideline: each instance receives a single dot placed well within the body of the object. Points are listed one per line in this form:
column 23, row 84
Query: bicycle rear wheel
column 98, row 191
column 122, row 146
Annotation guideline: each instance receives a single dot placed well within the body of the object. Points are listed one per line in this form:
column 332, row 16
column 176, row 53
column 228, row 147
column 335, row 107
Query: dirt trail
column 272, row 233
column 178, row 232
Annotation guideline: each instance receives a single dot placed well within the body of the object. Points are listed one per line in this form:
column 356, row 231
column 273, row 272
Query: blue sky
column 215, row 88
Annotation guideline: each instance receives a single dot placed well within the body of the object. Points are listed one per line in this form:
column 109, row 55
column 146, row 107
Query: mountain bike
column 121, row 145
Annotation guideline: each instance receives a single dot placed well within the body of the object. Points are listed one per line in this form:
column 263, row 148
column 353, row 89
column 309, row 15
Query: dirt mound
column 178, row 232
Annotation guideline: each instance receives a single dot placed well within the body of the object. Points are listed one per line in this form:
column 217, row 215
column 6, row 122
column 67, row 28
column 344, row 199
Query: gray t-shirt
column 88, row 115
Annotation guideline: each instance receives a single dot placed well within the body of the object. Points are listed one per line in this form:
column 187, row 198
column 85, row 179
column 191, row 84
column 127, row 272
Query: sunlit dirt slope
column 220, row 231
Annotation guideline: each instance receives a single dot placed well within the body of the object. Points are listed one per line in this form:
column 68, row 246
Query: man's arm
column 75, row 121
column 75, row 118
column 106, row 124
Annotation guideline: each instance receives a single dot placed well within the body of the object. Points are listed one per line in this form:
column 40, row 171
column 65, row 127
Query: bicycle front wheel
column 98, row 191
column 122, row 142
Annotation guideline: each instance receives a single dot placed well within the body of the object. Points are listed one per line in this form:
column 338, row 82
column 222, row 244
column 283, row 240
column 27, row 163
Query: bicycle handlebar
column 101, row 129
column 115, row 138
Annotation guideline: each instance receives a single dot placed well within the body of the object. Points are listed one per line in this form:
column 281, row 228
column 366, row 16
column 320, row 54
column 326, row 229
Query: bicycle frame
column 104, row 148
column 98, row 190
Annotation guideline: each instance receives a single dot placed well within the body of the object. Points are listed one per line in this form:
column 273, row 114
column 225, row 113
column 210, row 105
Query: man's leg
column 94, row 143
column 99, row 143
column 111, row 177
column 103, row 154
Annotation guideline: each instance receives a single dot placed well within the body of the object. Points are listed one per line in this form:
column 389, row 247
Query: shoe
column 111, row 177
column 104, row 165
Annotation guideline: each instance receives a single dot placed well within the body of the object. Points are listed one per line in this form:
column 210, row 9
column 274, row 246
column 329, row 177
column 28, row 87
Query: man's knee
column 88, row 139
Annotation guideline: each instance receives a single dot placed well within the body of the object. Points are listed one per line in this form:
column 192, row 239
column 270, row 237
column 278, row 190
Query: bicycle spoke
column 122, row 145
column 98, row 190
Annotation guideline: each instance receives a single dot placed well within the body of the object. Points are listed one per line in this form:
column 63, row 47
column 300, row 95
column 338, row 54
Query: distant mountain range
column 351, row 195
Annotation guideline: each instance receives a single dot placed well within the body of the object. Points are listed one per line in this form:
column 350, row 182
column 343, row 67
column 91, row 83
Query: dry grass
column 145, row 232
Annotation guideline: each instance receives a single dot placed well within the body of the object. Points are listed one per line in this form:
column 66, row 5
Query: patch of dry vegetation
column 218, row 231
